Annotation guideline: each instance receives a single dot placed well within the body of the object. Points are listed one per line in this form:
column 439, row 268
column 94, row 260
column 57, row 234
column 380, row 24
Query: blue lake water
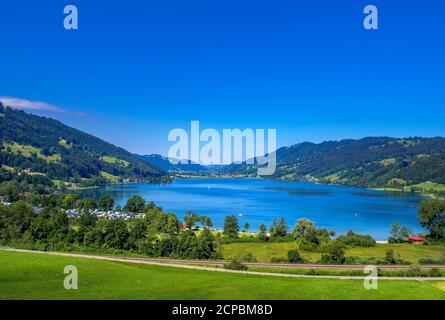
column 256, row 201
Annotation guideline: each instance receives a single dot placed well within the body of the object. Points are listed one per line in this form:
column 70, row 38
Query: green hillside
column 58, row 152
column 369, row 162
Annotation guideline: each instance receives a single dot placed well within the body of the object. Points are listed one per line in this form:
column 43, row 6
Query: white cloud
column 25, row 104
column 36, row 106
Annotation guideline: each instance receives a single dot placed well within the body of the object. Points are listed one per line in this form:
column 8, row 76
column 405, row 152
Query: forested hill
column 45, row 147
column 164, row 163
column 370, row 162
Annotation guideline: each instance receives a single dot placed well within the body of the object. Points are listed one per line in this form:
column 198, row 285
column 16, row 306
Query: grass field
column 65, row 144
column 429, row 187
column 38, row 276
column 27, row 151
column 114, row 160
column 265, row 251
column 109, row 176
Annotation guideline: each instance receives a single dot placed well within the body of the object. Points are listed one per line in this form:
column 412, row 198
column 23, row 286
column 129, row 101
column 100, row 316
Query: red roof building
column 416, row 239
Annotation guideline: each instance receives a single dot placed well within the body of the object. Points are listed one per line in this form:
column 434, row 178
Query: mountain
column 164, row 163
column 46, row 147
column 368, row 162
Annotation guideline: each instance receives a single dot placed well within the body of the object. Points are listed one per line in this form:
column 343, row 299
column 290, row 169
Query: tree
column 88, row 204
column 19, row 220
column 106, row 203
column 305, row 229
column 231, row 227
column 206, row 245
column 68, row 201
column 279, row 228
column 191, row 219
column 205, row 221
column 135, row 204
column 246, row 227
column 187, row 246
column 262, row 235
column 398, row 233
column 40, row 226
column 59, row 223
column 432, row 216
column 137, row 233
column 116, row 234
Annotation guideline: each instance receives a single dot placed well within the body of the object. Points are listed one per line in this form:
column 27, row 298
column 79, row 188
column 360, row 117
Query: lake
column 256, row 201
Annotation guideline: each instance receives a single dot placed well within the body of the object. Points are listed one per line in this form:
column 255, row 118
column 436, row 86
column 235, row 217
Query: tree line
column 156, row 234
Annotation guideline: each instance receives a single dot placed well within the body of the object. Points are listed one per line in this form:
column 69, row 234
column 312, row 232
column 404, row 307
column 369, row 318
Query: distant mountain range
column 165, row 164
column 46, row 147
column 368, row 162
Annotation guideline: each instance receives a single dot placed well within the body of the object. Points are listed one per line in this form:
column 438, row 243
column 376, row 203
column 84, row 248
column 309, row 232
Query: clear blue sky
column 136, row 69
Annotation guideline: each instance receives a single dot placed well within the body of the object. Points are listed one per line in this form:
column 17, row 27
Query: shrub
column 434, row 272
column 335, row 254
column 373, row 261
column 357, row 240
column 391, row 256
column 432, row 261
column 248, row 257
column 312, row 247
column 294, row 256
column 234, row 264
column 278, row 260
column 311, row 272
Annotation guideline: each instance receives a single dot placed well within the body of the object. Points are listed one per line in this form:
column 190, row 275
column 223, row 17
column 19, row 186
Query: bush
column 294, row 256
column 278, row 260
column 248, row 258
column 311, row 247
column 335, row 254
column 391, row 256
column 373, row 261
column 311, row 272
column 432, row 261
column 235, row 264
column 357, row 240
column 434, row 272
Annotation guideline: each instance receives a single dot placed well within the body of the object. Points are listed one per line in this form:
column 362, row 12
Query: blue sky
column 137, row 69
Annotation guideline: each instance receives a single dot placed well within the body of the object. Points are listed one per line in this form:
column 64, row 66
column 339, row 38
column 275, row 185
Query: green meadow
column 40, row 276
column 27, row 151
column 264, row 252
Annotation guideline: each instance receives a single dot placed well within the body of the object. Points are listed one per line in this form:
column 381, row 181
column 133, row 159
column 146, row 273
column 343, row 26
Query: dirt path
column 167, row 263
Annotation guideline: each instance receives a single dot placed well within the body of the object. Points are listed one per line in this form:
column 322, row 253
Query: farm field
column 40, row 276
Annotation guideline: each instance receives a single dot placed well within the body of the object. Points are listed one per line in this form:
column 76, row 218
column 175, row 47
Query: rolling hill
column 163, row 163
column 368, row 162
column 42, row 146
